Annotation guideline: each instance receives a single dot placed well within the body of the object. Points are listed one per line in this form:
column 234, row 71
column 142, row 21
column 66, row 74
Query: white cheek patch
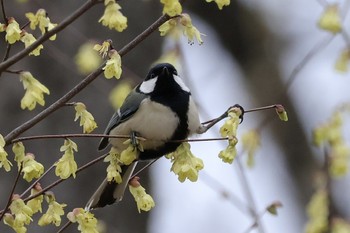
column 181, row 83
column 148, row 86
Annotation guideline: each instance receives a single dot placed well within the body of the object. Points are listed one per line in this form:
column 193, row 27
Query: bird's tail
column 111, row 192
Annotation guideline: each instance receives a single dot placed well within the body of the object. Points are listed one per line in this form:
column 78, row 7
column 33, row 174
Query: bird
column 159, row 109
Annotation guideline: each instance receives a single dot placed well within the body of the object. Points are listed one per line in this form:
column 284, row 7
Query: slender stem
column 143, row 168
column 37, row 181
column 11, row 193
column 64, row 227
column 76, row 14
column 248, row 193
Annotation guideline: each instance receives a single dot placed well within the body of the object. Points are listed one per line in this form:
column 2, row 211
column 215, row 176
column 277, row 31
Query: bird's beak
column 165, row 71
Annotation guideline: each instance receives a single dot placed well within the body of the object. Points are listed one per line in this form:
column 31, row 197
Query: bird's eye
column 175, row 72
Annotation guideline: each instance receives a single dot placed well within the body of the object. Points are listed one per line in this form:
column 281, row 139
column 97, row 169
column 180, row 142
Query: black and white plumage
column 159, row 109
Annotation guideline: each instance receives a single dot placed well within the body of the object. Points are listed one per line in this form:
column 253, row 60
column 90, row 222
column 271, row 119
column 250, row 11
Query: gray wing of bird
column 129, row 107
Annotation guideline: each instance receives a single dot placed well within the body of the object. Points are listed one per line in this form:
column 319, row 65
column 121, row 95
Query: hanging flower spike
column 87, row 59
column 4, row 162
column 21, row 212
column 41, row 20
column 143, row 200
column 129, row 154
column 171, row 7
column 113, row 169
column 86, row 118
column 330, row 19
column 19, row 151
column 66, row 166
column 230, row 153
column 34, row 91
column 113, row 65
column 29, row 39
column 35, row 203
column 13, row 32
column 112, row 17
column 185, row 164
column 168, row 26
column 31, row 168
column 103, row 48
column 190, row 31
column 10, row 221
column 251, row 142
column 87, row 223
column 220, row 3
column 317, row 211
column 231, row 124
column 53, row 213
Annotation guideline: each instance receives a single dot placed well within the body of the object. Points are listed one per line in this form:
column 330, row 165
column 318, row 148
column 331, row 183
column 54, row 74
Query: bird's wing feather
column 129, row 107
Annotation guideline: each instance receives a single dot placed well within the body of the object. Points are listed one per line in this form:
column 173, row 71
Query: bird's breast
column 152, row 120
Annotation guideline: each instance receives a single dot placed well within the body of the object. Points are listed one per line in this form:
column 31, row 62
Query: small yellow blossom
column 87, row 59
column 129, row 154
column 190, row 31
column 13, row 32
column 34, row 91
column 87, row 223
column 342, row 63
column 229, row 129
column 143, row 200
column 229, row 154
column 317, row 211
column 29, row 39
column 103, row 48
column 21, row 211
column 113, row 65
column 31, row 168
column 66, row 166
column 35, row 203
column 330, row 19
column 171, row 7
column 220, row 3
column 119, row 93
column 185, row 164
column 53, row 213
column 51, row 26
column 113, row 169
column 340, row 226
column 250, row 142
column 281, row 112
column 19, row 151
column 41, row 20
column 168, row 26
column 339, row 163
column 86, row 118
column 4, row 162
column 10, row 221
column 112, row 17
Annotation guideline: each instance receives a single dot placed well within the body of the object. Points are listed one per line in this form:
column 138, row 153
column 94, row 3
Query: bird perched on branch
column 161, row 110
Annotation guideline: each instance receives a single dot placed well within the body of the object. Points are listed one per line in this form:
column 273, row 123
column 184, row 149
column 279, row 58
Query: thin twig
column 64, row 227
column 143, row 168
column 11, row 193
column 3, row 12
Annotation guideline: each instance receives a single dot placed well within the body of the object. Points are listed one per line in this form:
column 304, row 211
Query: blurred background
column 253, row 54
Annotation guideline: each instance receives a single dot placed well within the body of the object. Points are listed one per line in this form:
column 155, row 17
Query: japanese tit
column 159, row 109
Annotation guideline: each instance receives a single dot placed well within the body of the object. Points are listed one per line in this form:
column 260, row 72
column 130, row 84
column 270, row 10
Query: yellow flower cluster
column 66, row 166
column 220, row 3
column 86, row 118
column 87, row 59
column 250, row 142
column 185, row 164
column 113, row 67
column 229, row 129
column 342, row 63
column 19, row 151
column 31, row 169
column 13, row 32
column 330, row 19
column 103, row 48
column 330, row 134
column 53, row 213
column 20, row 216
column 29, row 39
column 4, row 162
column 143, row 200
column 171, row 7
column 183, row 23
column 34, row 91
column 112, row 17
column 35, row 203
column 40, row 19
column 317, row 211
column 87, row 223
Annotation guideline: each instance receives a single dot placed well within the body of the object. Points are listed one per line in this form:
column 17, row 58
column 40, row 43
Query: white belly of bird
column 152, row 121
